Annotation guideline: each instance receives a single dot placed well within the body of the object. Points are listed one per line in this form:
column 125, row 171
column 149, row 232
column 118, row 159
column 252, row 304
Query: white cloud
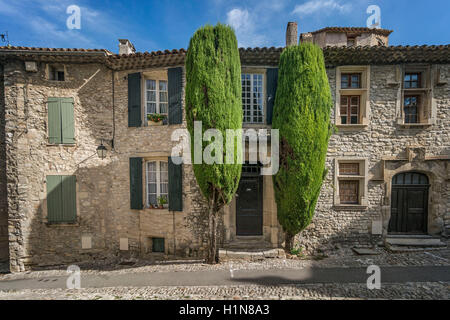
column 243, row 23
column 324, row 6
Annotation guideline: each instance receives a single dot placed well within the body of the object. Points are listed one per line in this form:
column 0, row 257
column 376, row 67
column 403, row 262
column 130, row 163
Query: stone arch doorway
column 409, row 203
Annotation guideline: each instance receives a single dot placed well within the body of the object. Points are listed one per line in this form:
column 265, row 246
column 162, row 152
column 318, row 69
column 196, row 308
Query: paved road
column 240, row 277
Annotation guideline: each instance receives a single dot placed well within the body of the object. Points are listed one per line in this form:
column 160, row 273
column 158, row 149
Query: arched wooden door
column 409, row 203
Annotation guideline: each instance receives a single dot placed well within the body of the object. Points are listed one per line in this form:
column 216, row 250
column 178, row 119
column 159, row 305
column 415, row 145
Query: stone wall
column 382, row 139
column 3, row 196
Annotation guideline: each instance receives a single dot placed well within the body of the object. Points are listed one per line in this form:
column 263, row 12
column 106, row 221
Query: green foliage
column 213, row 96
column 302, row 114
column 156, row 117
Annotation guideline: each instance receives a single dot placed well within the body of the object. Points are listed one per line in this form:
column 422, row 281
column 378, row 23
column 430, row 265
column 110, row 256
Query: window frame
column 157, row 96
column 361, row 177
column 418, row 108
column 349, row 107
column 158, row 181
column 253, row 73
column 350, row 81
column 341, row 195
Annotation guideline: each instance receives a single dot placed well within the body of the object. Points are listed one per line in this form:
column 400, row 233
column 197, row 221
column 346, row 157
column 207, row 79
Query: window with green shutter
column 61, row 199
column 158, row 245
column 61, row 128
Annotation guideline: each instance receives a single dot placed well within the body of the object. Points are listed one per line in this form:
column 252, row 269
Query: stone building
column 61, row 202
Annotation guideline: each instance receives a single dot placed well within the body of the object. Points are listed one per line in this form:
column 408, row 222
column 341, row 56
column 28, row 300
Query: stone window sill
column 349, row 207
column 351, row 126
column 62, row 144
column 153, row 210
column 62, row 224
column 414, row 125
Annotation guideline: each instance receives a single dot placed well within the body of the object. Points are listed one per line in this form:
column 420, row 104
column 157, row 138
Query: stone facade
column 106, row 227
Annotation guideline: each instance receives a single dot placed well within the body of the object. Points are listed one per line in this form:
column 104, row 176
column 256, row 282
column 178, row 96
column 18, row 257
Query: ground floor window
column 158, row 245
column 348, row 191
column 351, row 182
column 157, row 183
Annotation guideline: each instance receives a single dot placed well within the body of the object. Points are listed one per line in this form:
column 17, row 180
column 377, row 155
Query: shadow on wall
column 4, row 251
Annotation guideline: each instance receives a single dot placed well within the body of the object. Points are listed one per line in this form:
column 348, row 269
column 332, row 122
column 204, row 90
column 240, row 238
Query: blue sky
column 158, row 25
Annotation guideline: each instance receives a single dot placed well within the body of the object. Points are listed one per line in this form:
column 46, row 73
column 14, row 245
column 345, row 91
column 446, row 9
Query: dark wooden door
column 249, row 207
column 409, row 203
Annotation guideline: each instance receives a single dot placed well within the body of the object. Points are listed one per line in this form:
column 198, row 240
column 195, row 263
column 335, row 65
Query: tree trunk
column 289, row 242
column 212, row 253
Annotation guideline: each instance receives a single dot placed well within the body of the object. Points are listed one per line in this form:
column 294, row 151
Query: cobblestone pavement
column 422, row 291
column 338, row 258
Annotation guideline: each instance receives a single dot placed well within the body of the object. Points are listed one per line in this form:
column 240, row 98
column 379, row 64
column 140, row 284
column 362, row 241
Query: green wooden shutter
column 136, row 183
column 54, row 121
column 175, row 186
column 272, row 79
column 134, row 100
column 67, row 121
column 175, row 91
column 69, row 198
column 54, row 199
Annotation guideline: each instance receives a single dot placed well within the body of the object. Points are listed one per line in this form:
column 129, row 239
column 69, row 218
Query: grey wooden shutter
column 175, row 90
column 175, row 186
column 54, row 121
column 272, row 79
column 134, row 100
column 136, row 183
column 67, row 121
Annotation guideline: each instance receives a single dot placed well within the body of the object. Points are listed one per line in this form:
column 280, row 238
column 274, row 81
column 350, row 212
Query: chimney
column 291, row 34
column 126, row 47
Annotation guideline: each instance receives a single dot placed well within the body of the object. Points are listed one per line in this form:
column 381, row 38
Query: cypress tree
column 302, row 114
column 213, row 96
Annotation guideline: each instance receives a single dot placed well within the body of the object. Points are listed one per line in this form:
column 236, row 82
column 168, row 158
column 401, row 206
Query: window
column 351, row 80
column 348, row 191
column 349, row 169
column 61, row 199
column 349, row 109
column 410, row 108
column 158, row 245
column 351, row 42
column 56, row 73
column 156, row 97
column 157, row 182
column 61, row 127
column 411, row 81
column 351, row 183
column 252, row 98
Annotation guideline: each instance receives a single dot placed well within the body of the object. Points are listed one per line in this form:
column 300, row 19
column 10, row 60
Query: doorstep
column 414, row 240
column 251, row 254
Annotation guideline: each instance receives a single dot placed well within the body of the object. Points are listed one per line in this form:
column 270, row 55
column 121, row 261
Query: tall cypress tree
column 213, row 96
column 302, row 114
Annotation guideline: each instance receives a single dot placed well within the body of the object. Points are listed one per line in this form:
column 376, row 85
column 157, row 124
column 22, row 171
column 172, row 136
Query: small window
column 411, row 109
column 412, row 81
column 351, row 81
column 252, row 98
column 56, row 73
column 351, row 42
column 156, row 96
column 348, row 191
column 157, row 183
column 349, row 169
column 158, row 245
column 349, row 109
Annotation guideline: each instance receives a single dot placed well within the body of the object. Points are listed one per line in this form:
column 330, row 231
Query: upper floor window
column 349, row 110
column 411, row 109
column 350, row 80
column 351, row 42
column 56, row 73
column 157, row 182
column 156, row 97
column 412, row 80
column 252, row 97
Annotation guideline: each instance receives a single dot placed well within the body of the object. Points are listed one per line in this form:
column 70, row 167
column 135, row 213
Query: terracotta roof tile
column 383, row 32
column 21, row 48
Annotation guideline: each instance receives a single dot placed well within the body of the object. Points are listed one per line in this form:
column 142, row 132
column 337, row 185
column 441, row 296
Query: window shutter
column 69, row 200
column 67, row 121
column 174, row 91
column 175, row 186
column 272, row 79
column 54, row 199
column 54, row 121
column 134, row 100
column 136, row 183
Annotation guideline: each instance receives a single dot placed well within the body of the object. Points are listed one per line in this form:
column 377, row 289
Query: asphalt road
column 238, row 277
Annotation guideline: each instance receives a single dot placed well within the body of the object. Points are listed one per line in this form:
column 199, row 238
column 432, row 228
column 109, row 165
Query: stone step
column 414, row 241
column 254, row 254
